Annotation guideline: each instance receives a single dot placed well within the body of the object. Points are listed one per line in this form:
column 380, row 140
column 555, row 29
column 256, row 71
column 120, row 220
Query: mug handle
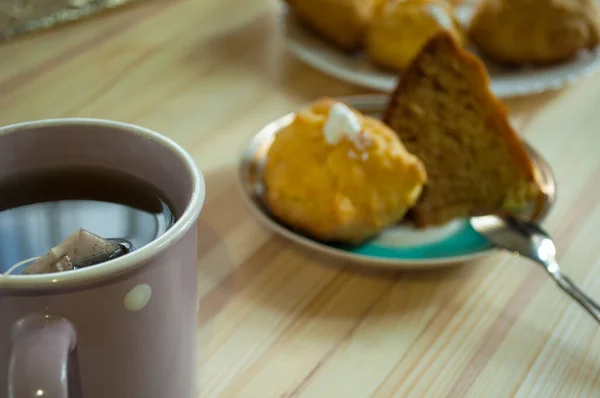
column 39, row 357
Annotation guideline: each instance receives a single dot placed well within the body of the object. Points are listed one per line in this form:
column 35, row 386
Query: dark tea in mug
column 39, row 210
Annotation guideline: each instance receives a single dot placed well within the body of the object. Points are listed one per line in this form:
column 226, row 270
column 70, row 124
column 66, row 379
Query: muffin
column 343, row 22
column 534, row 31
column 403, row 27
column 336, row 175
column 446, row 115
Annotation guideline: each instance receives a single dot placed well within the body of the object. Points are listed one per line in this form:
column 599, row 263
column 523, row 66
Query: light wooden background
column 276, row 320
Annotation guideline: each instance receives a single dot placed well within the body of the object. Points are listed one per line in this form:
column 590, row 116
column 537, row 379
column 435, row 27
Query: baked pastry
column 534, row 31
column 444, row 113
column 337, row 175
column 402, row 28
column 343, row 22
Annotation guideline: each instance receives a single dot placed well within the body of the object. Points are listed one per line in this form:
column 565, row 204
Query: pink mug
column 122, row 329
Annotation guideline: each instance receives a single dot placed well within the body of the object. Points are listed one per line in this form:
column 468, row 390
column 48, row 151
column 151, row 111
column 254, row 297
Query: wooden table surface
column 276, row 320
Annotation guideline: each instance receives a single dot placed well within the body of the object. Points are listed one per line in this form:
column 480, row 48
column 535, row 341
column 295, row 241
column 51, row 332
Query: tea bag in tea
column 81, row 249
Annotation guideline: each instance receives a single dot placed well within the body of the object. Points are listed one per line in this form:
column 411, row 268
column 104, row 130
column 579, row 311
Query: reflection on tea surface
column 37, row 212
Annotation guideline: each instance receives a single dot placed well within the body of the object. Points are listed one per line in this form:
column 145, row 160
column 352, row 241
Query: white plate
column 358, row 70
column 398, row 247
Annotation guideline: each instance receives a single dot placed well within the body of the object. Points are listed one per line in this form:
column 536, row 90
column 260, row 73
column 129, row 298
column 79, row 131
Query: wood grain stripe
column 218, row 216
column 212, row 303
column 405, row 277
column 315, row 304
column 112, row 31
column 307, row 379
column 443, row 324
column 112, row 82
column 527, row 289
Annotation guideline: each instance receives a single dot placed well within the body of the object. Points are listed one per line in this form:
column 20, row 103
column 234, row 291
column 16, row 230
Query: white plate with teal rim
column 356, row 69
column 399, row 247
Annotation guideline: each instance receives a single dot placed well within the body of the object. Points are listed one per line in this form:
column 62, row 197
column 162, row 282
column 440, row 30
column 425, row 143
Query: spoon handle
column 586, row 302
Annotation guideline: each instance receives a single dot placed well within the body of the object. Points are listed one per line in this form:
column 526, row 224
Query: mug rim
column 131, row 260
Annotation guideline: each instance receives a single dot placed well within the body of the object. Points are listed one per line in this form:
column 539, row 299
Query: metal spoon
column 515, row 234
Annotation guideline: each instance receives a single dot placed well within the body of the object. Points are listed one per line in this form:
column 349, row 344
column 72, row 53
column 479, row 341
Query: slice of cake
column 445, row 114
